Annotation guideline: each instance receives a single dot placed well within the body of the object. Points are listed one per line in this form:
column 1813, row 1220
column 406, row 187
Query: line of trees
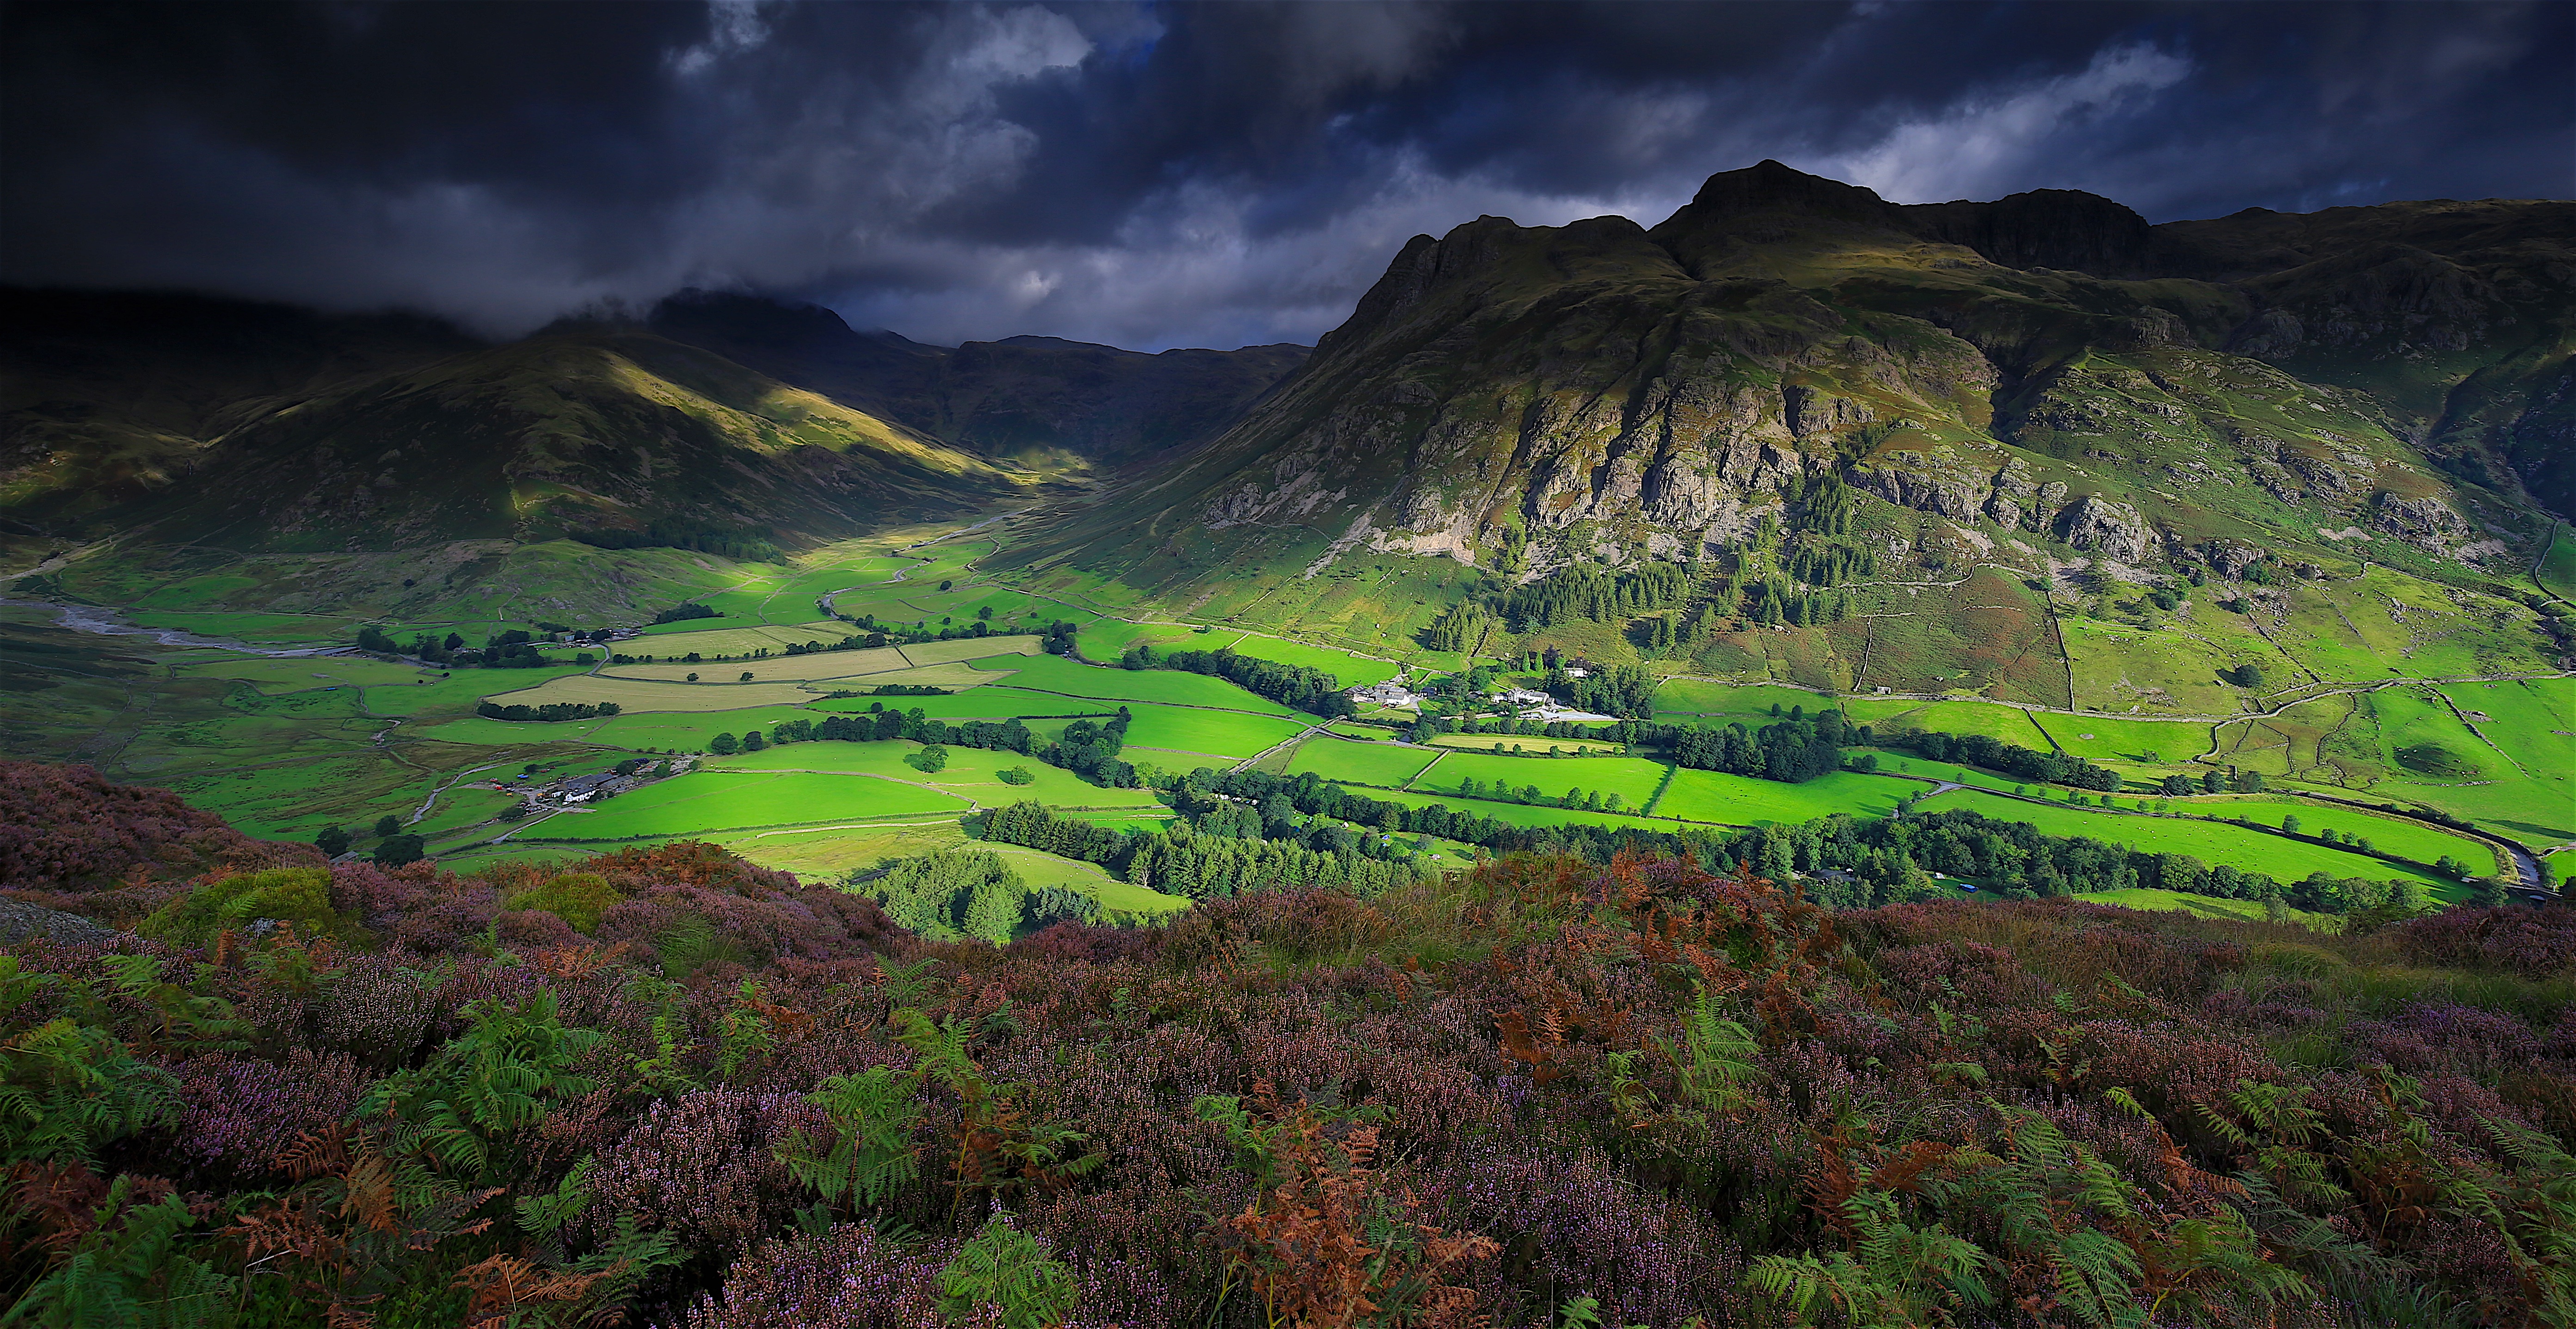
column 1302, row 686
column 1182, row 860
column 2010, row 758
column 1851, row 864
column 686, row 612
column 547, row 713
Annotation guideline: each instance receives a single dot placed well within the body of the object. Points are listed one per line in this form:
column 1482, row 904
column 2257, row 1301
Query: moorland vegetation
column 1549, row 1091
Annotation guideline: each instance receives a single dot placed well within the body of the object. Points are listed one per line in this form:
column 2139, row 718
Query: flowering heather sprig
column 239, row 1111
column 704, row 1167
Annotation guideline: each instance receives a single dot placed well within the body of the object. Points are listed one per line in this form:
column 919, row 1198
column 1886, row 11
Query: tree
column 388, row 824
column 724, row 745
column 753, row 741
column 454, row 641
column 993, row 910
column 746, row 676
column 930, row 759
column 2290, row 825
column 398, row 850
column 333, row 841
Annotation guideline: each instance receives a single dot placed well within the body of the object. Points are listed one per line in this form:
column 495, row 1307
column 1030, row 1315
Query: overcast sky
column 1160, row 175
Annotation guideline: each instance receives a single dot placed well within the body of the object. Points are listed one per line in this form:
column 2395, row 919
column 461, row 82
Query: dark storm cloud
column 1159, row 174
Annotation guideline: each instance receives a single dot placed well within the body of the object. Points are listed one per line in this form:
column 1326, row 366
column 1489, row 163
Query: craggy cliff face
column 2048, row 376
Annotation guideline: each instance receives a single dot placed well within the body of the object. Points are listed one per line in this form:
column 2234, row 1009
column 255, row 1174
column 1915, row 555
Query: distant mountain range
column 185, row 419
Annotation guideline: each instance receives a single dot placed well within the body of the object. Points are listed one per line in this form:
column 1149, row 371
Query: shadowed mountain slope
column 1018, row 397
column 2047, row 367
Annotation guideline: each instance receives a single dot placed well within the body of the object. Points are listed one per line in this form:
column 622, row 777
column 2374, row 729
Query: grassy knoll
column 832, row 855
column 699, row 802
column 1228, row 734
column 971, row 772
column 2211, row 842
column 1739, row 800
column 1050, row 673
column 1633, row 779
column 1386, row 765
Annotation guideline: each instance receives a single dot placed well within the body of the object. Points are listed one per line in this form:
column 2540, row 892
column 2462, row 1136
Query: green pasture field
column 1385, row 765
column 460, row 808
column 970, row 648
column 1230, row 734
column 1051, row 673
column 2203, row 906
column 1521, row 814
column 634, row 695
column 671, row 640
column 1633, row 779
column 1485, row 743
column 2120, row 667
column 1741, row 800
column 703, row 801
column 1906, row 763
column 2556, row 570
column 828, row 857
column 2535, row 813
column 2533, row 720
column 971, row 773
column 2009, row 723
column 458, row 690
column 1745, row 701
column 299, row 675
column 992, row 701
column 2284, row 860
column 641, row 732
column 2397, row 835
column 2161, row 743
column 480, row 854
column 1353, row 670
column 1109, row 638
column 821, row 664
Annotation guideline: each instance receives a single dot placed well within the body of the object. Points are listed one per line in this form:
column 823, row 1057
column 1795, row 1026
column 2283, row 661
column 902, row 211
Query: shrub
column 297, row 896
column 578, row 898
